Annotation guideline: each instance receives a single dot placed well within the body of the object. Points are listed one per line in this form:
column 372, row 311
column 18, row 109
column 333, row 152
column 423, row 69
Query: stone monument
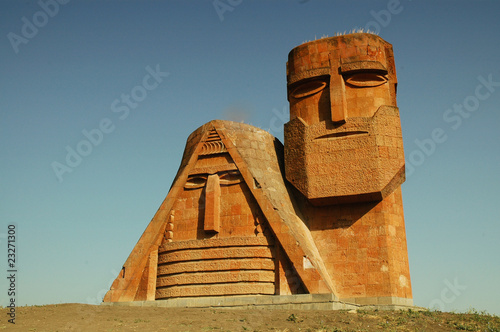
column 322, row 214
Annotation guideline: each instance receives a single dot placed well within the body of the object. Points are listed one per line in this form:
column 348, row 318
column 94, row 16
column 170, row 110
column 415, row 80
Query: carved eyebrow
column 356, row 66
column 307, row 75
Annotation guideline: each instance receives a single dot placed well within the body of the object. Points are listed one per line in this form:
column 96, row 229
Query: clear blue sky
column 69, row 75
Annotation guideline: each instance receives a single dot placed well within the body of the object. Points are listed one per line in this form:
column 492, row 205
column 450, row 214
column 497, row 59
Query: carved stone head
column 344, row 141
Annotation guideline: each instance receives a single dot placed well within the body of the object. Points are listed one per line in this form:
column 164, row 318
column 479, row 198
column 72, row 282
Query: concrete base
column 300, row 302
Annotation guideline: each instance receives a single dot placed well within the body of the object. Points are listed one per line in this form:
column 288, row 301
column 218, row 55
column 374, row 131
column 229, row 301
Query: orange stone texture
column 322, row 214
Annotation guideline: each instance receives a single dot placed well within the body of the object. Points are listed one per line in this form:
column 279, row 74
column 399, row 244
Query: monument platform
column 296, row 302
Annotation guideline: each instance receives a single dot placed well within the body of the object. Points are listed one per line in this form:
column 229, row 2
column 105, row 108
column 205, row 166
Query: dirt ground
column 83, row 317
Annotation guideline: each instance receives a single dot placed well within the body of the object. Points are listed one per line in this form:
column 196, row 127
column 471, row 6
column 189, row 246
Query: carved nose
column 338, row 104
column 337, row 99
column 212, row 204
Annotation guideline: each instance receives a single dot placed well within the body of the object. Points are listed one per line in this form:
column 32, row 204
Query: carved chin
column 356, row 162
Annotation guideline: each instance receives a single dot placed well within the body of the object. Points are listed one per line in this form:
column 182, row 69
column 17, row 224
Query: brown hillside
column 83, row 317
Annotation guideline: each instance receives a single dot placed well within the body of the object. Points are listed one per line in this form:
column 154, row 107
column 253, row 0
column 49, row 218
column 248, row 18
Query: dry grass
column 82, row 317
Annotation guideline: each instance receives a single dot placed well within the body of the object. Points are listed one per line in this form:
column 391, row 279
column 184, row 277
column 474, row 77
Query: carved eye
column 230, row 177
column 366, row 79
column 196, row 181
column 308, row 89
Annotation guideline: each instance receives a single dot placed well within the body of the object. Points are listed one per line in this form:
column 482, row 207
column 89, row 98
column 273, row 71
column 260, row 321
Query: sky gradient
column 145, row 74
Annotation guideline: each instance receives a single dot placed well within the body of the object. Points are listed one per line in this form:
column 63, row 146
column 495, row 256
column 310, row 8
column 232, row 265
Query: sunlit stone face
column 216, row 242
column 344, row 136
column 212, row 173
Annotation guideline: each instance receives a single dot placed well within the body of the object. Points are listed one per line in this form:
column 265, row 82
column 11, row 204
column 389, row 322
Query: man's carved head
column 344, row 141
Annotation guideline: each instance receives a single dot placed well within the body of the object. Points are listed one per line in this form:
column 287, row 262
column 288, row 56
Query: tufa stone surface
column 247, row 216
column 343, row 141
